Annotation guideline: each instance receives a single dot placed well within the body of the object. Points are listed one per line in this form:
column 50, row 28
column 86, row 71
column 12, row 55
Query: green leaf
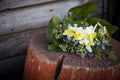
column 56, row 20
column 111, row 28
column 53, row 47
column 81, row 12
column 53, row 23
column 49, row 36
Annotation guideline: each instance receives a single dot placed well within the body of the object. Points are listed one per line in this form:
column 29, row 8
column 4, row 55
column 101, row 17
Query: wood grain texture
column 11, row 4
column 16, row 44
column 73, row 67
column 32, row 17
column 98, row 10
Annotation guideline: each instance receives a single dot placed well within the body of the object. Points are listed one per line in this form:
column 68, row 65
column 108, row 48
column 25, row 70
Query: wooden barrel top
column 73, row 64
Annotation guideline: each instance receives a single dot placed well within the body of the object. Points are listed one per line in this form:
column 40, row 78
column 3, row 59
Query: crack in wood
column 58, row 67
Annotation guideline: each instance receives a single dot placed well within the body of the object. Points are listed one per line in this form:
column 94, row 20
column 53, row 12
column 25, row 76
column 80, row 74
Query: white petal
column 65, row 33
column 99, row 24
column 75, row 25
column 81, row 42
column 95, row 27
column 89, row 48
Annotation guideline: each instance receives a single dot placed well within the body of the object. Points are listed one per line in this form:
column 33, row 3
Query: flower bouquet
column 78, row 33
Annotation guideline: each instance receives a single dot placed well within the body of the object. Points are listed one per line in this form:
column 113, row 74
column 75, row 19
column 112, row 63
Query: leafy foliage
column 81, row 12
column 111, row 28
column 53, row 47
column 58, row 39
column 53, row 24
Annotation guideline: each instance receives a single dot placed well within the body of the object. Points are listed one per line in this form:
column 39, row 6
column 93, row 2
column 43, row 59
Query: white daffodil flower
column 90, row 34
column 69, row 31
column 88, row 45
column 78, row 35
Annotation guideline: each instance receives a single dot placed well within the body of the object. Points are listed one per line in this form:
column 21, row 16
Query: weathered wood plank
column 98, row 10
column 10, row 4
column 16, row 44
column 32, row 17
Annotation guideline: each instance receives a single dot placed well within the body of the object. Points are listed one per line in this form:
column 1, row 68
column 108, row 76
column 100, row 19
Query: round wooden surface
column 42, row 64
